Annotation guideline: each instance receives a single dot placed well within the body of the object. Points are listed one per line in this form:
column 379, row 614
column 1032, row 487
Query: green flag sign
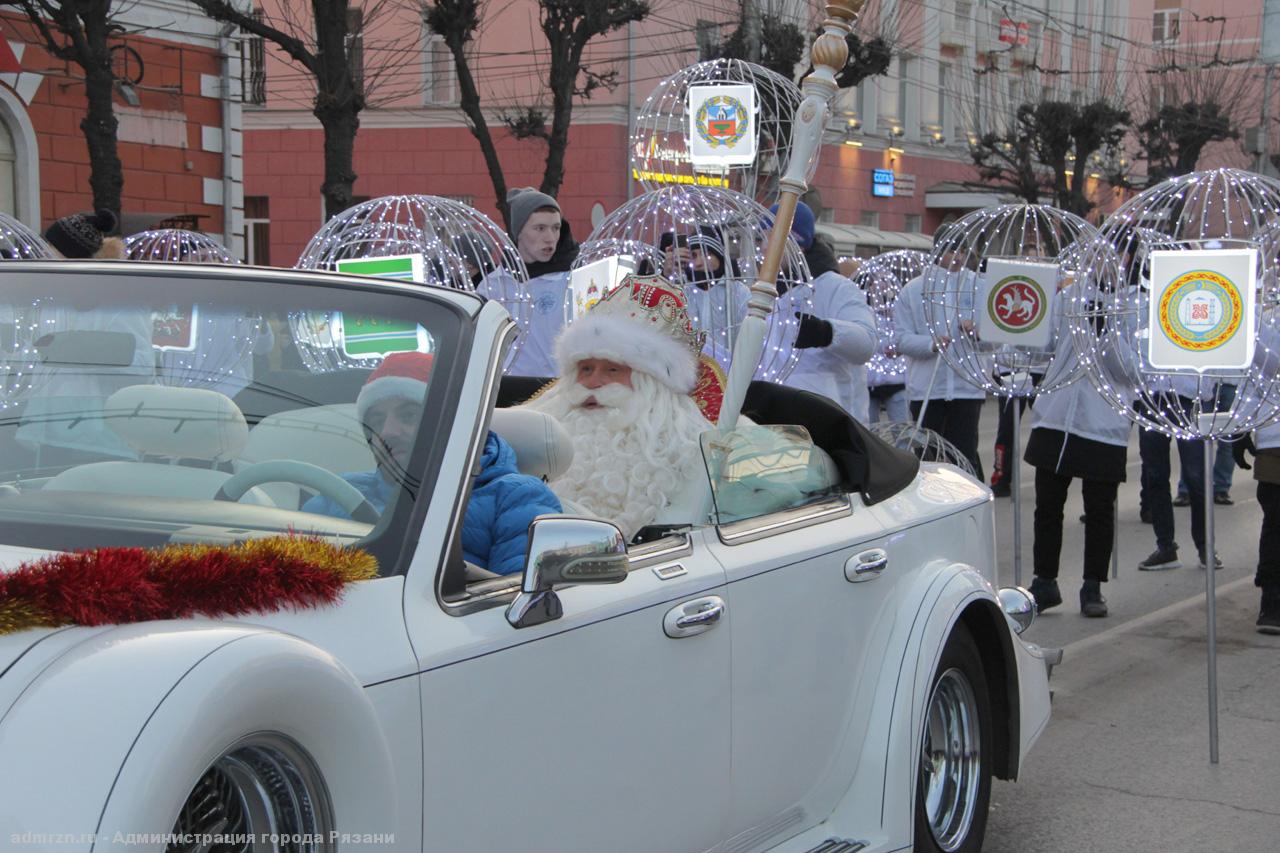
column 398, row 267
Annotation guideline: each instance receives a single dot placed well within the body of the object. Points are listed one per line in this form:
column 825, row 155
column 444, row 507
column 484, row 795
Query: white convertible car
column 800, row 669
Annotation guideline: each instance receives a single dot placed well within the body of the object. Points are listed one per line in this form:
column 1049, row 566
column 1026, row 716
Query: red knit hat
column 401, row 374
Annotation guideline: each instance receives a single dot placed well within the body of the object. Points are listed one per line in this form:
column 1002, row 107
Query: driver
column 630, row 393
column 503, row 501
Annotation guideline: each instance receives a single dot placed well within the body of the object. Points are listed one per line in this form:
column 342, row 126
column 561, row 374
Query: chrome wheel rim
column 263, row 794
column 951, row 760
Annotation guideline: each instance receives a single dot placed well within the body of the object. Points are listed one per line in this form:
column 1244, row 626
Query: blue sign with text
column 882, row 183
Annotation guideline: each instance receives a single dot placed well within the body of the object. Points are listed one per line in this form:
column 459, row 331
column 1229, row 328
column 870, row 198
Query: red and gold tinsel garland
column 107, row 586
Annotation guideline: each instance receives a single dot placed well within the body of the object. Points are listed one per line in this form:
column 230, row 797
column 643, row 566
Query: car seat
column 168, row 423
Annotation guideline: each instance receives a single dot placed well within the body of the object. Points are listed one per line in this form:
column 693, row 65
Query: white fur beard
column 632, row 455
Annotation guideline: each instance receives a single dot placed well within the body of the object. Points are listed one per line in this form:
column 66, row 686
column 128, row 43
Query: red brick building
column 179, row 135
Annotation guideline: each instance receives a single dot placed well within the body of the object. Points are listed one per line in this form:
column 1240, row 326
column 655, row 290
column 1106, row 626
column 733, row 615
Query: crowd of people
column 629, row 388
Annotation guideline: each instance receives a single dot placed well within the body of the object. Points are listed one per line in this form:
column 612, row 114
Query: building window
column 708, row 36
column 257, row 230
column 944, row 108
column 913, row 223
column 1166, row 25
column 355, row 46
column 253, row 67
column 869, row 219
column 441, row 77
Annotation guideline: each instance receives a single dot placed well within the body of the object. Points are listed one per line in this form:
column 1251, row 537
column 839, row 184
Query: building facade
column 177, row 100
column 960, row 67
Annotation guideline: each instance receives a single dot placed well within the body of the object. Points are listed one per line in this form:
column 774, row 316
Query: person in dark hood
column 547, row 247
column 837, row 334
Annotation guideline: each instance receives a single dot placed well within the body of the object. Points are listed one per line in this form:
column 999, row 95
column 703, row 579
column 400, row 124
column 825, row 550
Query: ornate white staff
column 829, row 54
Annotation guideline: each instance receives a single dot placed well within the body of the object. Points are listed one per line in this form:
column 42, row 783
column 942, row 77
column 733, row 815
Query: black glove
column 1239, row 446
column 813, row 332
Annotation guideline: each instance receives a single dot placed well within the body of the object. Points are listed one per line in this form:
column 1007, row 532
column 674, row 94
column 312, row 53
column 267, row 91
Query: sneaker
column 1269, row 612
column 1182, row 499
column 1217, row 562
column 1092, row 604
column 1045, row 592
column 1144, row 515
column 1159, row 560
column 1223, row 499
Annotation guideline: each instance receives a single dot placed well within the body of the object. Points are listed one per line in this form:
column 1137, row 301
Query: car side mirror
column 564, row 551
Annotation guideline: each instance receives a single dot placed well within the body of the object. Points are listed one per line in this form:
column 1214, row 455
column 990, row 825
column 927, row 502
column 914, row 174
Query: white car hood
column 12, row 646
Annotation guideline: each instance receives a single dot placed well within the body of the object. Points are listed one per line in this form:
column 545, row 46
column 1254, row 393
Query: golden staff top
column 829, row 54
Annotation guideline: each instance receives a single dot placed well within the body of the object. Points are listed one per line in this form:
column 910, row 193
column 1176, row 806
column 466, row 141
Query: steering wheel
column 303, row 474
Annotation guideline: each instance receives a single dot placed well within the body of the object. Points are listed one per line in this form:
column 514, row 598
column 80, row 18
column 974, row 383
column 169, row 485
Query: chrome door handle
column 693, row 617
column 866, row 566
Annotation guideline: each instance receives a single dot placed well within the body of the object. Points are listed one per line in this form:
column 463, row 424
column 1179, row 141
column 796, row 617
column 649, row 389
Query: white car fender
column 936, row 599
column 112, row 736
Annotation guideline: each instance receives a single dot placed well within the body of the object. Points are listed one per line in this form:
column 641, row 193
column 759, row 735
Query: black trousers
column 957, row 422
column 1269, row 543
column 1099, row 524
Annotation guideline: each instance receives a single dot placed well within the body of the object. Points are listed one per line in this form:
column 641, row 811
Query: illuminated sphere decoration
column 177, row 245
column 1202, row 312
column 201, row 345
column 698, row 223
column 462, row 249
column 925, row 444
column 660, row 143
column 881, row 278
column 1007, row 328
column 18, row 359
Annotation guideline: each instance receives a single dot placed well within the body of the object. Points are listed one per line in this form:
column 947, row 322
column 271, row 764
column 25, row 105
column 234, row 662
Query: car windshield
column 151, row 406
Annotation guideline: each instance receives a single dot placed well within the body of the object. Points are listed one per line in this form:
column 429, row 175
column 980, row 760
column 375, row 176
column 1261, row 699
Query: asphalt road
column 1124, row 765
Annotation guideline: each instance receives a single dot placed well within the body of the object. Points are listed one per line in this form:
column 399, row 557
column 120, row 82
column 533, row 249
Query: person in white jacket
column 546, row 246
column 838, row 337
column 952, row 403
column 1075, row 434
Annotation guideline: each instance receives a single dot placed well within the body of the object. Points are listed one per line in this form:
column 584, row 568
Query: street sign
column 590, row 283
column 882, row 184
column 174, row 328
column 1201, row 309
column 1014, row 303
column 722, row 126
column 399, row 267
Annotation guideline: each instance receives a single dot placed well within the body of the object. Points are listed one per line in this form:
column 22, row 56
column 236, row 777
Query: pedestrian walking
column 1266, row 470
column 1075, row 435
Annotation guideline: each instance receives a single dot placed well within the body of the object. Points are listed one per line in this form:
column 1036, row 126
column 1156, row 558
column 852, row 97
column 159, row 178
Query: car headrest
column 177, row 423
column 543, row 448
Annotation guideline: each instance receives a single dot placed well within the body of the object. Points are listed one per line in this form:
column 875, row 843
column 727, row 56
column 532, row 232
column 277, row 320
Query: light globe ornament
column 461, row 249
column 660, row 145
column 200, row 345
column 709, row 242
column 18, row 358
column 925, row 444
column 992, row 289
column 881, row 279
column 1111, row 316
column 177, row 245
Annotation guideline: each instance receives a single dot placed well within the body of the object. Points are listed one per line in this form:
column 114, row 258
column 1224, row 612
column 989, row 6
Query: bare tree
column 1190, row 103
column 78, row 32
column 351, row 52
column 568, row 27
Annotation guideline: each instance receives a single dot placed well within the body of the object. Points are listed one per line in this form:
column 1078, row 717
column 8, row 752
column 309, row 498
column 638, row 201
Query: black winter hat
column 80, row 234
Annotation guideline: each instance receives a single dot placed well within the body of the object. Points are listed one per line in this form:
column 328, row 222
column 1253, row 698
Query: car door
column 594, row 731
column 809, row 587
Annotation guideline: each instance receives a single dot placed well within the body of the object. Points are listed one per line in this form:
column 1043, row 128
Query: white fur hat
column 644, row 324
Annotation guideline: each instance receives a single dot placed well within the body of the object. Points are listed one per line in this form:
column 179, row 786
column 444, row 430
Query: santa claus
column 635, row 396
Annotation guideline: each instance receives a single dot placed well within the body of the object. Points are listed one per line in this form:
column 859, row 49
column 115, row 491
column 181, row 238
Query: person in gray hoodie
column 546, row 246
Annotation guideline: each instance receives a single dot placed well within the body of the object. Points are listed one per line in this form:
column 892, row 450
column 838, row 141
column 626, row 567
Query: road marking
column 1080, row 646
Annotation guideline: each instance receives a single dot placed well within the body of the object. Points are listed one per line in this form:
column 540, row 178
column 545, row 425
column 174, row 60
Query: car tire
column 953, row 780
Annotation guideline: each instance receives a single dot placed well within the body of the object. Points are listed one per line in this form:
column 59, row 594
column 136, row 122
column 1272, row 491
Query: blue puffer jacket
column 495, row 527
